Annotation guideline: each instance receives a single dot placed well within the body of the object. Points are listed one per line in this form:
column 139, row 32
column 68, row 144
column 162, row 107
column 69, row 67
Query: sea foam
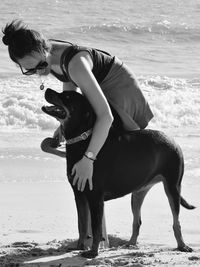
column 174, row 102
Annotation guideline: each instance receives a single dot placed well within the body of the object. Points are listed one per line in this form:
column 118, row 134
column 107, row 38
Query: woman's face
column 35, row 63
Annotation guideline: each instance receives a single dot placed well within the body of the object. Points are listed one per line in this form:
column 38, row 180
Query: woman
column 101, row 77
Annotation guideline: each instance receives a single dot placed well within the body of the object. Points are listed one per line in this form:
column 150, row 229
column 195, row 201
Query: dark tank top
column 102, row 62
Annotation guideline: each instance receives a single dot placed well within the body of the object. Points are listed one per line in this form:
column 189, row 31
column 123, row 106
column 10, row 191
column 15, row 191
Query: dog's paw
column 131, row 246
column 75, row 245
column 185, row 249
column 90, row 254
column 132, row 243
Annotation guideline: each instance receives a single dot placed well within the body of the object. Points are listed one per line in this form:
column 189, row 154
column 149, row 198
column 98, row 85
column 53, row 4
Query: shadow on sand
column 53, row 254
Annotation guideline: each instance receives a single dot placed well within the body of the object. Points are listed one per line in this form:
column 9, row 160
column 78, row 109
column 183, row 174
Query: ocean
column 158, row 40
column 152, row 36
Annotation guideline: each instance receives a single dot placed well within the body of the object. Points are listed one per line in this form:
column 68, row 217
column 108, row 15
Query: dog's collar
column 79, row 138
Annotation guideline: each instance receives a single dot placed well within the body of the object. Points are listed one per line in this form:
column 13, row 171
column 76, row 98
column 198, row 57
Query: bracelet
column 89, row 158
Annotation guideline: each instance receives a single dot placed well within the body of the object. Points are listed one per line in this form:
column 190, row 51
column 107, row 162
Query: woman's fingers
column 90, row 184
column 73, row 170
column 82, row 185
column 81, row 182
column 81, row 172
column 75, row 178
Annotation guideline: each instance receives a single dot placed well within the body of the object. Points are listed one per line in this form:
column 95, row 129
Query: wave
column 179, row 32
column 21, row 103
column 175, row 102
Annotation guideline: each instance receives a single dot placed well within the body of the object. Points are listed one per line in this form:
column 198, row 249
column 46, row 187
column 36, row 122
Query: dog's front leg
column 96, row 205
column 84, row 221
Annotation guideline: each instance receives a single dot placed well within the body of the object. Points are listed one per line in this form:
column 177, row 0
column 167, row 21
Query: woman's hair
column 21, row 40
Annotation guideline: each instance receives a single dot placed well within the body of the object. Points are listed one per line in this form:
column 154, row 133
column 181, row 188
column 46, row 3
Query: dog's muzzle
column 55, row 111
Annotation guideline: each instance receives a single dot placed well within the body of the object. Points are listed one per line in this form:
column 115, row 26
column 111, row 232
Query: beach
column 39, row 220
column 159, row 41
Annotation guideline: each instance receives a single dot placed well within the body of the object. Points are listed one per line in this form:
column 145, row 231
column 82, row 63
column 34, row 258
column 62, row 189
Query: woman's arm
column 80, row 71
column 69, row 87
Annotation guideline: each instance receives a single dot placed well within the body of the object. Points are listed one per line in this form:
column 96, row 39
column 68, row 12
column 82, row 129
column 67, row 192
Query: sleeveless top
column 117, row 82
column 102, row 62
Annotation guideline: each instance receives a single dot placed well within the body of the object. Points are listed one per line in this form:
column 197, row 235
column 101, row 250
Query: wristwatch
column 90, row 155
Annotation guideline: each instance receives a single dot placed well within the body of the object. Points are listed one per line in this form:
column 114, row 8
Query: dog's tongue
column 51, row 108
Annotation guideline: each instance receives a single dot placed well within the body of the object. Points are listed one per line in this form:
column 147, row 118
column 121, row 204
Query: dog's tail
column 183, row 202
column 186, row 205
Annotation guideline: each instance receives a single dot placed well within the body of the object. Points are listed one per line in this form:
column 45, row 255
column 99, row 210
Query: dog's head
column 70, row 108
column 58, row 101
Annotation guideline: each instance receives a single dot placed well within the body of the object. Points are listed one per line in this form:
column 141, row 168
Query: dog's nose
column 50, row 95
column 47, row 93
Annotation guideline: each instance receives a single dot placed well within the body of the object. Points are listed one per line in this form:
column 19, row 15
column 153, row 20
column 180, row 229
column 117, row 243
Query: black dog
column 127, row 163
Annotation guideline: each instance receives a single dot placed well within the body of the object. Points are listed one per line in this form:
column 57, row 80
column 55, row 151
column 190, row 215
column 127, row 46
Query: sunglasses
column 41, row 65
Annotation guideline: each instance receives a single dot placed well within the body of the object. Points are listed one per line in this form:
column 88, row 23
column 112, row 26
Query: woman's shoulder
column 61, row 42
column 59, row 45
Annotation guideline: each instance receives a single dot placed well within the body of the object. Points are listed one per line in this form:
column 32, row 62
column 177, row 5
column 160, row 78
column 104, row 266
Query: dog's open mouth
column 55, row 111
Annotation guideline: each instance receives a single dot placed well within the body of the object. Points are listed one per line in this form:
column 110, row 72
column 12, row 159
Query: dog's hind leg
column 173, row 194
column 137, row 199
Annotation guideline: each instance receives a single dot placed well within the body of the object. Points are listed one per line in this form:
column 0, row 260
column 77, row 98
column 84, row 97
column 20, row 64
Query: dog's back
column 130, row 161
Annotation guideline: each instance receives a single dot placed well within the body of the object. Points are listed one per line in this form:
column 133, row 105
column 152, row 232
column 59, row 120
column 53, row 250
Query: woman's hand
column 83, row 171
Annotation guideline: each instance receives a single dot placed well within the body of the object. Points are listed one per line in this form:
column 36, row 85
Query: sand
column 54, row 254
column 38, row 217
